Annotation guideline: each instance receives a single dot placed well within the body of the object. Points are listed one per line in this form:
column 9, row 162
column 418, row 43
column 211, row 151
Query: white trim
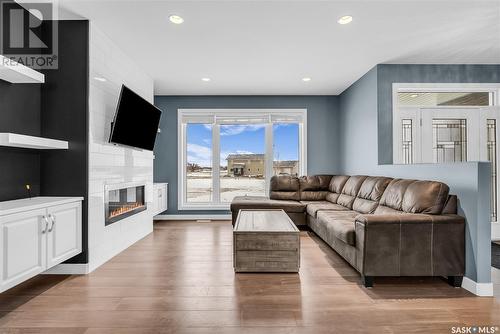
column 68, row 269
column 193, row 217
column 211, row 115
column 479, row 289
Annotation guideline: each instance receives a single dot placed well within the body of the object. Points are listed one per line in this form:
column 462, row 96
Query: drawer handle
column 53, row 220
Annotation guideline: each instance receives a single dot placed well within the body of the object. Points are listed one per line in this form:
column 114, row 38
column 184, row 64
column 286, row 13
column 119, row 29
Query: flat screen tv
column 136, row 121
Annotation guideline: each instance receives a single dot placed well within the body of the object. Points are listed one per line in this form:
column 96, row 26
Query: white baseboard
column 193, row 217
column 479, row 289
column 68, row 269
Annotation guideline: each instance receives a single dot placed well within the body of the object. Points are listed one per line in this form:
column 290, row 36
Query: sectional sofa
column 381, row 226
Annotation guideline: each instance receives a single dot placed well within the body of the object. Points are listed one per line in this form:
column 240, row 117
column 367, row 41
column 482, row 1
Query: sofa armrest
column 410, row 245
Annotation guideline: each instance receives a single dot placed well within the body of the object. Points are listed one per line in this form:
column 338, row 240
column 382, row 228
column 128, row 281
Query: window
column 445, row 99
column 199, row 163
column 286, row 149
column 251, row 146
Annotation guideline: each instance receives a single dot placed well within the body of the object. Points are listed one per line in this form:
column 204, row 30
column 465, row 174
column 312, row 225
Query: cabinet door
column 164, row 198
column 64, row 235
column 23, row 247
column 154, row 200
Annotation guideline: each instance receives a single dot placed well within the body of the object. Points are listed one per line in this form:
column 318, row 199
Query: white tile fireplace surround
column 110, row 164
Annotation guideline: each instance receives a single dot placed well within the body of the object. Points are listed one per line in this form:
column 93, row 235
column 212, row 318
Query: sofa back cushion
column 392, row 199
column 370, row 193
column 350, row 190
column 425, row 197
column 284, row 187
column 335, row 188
column 314, row 188
column 412, row 196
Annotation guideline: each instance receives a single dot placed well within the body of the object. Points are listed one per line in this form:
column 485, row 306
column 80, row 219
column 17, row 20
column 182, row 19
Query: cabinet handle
column 46, row 224
column 53, row 220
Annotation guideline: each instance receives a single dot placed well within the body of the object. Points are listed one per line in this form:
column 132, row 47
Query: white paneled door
column 23, row 247
column 64, row 232
column 450, row 134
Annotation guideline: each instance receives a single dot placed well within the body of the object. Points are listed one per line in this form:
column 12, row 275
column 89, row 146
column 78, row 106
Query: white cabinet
column 160, row 198
column 23, row 251
column 64, row 235
column 37, row 235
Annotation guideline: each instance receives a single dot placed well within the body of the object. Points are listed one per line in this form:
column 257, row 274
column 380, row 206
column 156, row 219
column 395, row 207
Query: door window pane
column 491, row 126
column 435, row 99
column 286, row 149
column 199, row 187
column 242, row 161
column 449, row 137
column 407, row 140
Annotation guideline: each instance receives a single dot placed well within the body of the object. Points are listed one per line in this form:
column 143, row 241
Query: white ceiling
column 266, row 47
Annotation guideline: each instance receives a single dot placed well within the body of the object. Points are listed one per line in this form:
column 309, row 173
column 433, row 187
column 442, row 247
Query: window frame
column 271, row 116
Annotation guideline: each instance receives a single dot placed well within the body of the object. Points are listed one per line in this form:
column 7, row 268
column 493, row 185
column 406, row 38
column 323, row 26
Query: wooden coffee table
column 265, row 241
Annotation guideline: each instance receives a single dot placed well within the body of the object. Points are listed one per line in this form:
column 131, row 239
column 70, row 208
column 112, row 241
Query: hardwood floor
column 180, row 280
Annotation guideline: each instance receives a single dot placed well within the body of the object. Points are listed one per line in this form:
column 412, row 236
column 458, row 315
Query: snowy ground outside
column 199, row 186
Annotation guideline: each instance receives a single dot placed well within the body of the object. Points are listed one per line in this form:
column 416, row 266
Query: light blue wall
column 322, row 132
column 360, row 150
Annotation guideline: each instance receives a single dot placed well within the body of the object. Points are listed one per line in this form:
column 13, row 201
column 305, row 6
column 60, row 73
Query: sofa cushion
column 335, row 187
column 343, row 229
column 393, row 196
column 370, row 193
column 312, row 207
column 314, row 188
column 350, row 191
column 349, row 214
column 284, row 187
column 413, row 196
column 425, row 197
column 261, row 202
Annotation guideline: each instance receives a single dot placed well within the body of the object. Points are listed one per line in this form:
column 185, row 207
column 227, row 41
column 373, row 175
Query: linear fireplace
column 123, row 200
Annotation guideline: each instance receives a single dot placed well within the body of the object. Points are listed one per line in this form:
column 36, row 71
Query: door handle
column 53, row 220
column 46, row 224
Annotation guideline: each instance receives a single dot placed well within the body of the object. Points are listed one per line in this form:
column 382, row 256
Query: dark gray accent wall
column 389, row 74
column 322, row 132
column 361, row 136
column 19, row 113
column 65, row 116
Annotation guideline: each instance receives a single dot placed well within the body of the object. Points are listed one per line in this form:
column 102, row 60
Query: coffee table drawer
column 267, row 242
column 266, row 261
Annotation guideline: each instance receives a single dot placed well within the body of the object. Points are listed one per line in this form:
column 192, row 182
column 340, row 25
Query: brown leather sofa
column 381, row 226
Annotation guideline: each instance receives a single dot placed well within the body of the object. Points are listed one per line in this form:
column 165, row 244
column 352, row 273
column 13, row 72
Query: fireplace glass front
column 124, row 202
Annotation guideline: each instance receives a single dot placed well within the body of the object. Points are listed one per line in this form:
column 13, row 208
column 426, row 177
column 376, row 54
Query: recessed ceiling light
column 206, row 79
column 306, row 79
column 101, row 79
column 345, row 19
column 176, row 19
column 413, row 96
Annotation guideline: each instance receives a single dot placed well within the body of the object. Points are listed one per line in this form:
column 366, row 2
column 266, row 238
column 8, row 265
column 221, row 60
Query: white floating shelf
column 38, row 143
column 14, row 72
